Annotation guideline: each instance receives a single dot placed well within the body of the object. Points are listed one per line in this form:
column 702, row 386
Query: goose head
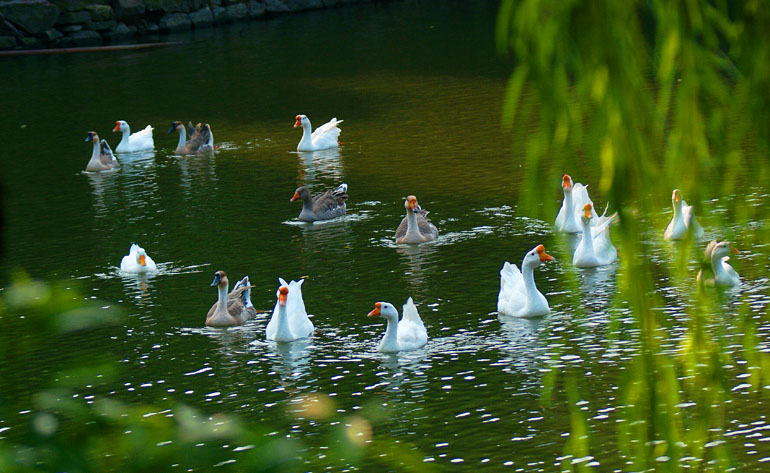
column 586, row 213
column 120, row 125
column 283, row 295
column 220, row 279
column 92, row 136
column 411, row 205
column 676, row 199
column 722, row 249
column 175, row 126
column 301, row 193
column 141, row 257
column 384, row 309
column 301, row 120
column 566, row 184
column 536, row 256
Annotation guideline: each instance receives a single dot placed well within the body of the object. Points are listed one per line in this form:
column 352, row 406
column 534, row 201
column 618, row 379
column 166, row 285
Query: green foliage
column 648, row 96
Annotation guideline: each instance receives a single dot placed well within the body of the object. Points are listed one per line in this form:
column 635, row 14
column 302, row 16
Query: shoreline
column 59, row 26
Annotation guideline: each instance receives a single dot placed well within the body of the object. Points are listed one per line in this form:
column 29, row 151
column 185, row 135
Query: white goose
column 102, row 158
column 575, row 198
column 324, row 137
column 683, row 220
column 518, row 294
column 595, row 248
column 139, row 141
column 137, row 261
column 715, row 269
column 230, row 309
column 407, row 334
column 289, row 321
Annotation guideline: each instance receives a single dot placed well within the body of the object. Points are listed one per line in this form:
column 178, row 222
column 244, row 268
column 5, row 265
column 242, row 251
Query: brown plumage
column 238, row 303
column 201, row 138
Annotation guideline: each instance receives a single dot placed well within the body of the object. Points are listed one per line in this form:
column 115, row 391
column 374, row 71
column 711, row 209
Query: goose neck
column 390, row 339
column 307, row 133
column 97, row 150
column 588, row 239
column 412, row 228
column 182, row 137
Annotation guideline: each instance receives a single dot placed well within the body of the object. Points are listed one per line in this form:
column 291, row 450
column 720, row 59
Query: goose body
column 137, row 261
column 324, row 206
column 102, row 158
column 230, row 309
column 324, row 137
column 407, row 334
column 595, row 248
column 289, row 321
column 201, row 138
column 415, row 226
column 715, row 269
column 575, row 198
column 139, row 141
column 518, row 294
column 683, row 220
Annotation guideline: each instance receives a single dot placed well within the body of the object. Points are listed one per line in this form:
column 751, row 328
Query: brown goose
column 324, row 206
column 102, row 158
column 231, row 309
column 201, row 138
column 415, row 227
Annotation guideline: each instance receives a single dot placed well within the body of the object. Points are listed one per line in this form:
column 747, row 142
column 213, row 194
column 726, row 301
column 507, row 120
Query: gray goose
column 325, row 206
column 415, row 227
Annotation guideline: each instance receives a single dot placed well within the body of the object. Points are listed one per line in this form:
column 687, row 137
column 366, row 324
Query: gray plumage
column 325, row 206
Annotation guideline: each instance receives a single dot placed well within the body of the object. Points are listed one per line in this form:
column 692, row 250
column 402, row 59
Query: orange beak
column 283, row 294
column 565, row 182
column 677, row 196
column 734, row 250
column 294, row 197
column 587, row 211
column 298, row 123
column 142, row 260
column 117, row 126
column 413, row 205
column 543, row 255
column 376, row 311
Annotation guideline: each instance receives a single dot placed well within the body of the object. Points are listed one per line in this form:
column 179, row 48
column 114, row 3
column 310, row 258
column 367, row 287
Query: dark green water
column 420, row 90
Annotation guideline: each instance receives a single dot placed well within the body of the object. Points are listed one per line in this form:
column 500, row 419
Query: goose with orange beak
column 575, row 198
column 324, row 137
column 129, row 143
column 324, row 206
column 715, row 269
column 290, row 320
column 683, row 221
column 137, row 261
column 230, row 309
column 595, row 248
column 518, row 295
column 415, row 227
column 407, row 334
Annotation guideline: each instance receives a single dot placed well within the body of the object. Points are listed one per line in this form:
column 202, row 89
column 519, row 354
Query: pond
column 420, row 88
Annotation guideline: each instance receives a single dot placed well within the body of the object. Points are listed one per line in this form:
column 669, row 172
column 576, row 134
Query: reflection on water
column 321, row 165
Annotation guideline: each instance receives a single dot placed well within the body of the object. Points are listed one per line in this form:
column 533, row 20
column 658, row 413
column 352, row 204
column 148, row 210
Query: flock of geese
column 518, row 294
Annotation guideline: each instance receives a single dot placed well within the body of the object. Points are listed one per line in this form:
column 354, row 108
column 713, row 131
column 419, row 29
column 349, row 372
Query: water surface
column 420, row 90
